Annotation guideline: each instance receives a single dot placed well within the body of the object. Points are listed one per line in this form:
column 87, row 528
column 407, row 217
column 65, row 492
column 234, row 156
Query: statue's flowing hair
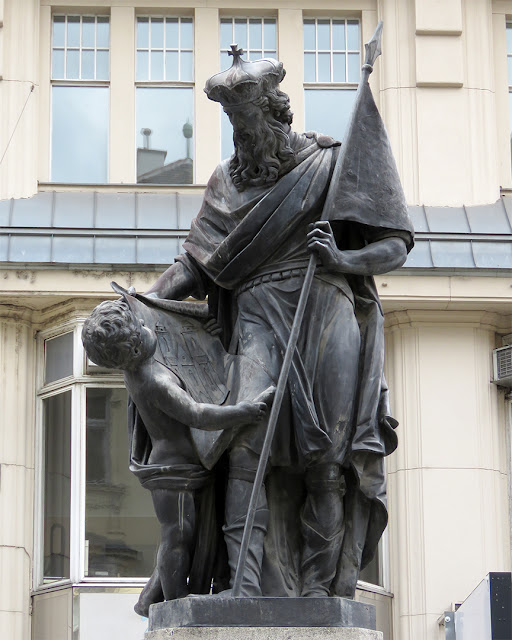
column 262, row 145
column 111, row 336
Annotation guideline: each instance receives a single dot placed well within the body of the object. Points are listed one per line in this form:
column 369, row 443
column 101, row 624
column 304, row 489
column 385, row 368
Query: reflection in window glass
column 165, row 135
column 328, row 111
column 371, row 573
column 121, row 530
column 258, row 38
column 58, row 357
column 79, row 134
column 57, row 487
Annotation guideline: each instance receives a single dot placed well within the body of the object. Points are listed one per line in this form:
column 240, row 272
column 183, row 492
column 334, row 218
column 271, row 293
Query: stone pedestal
column 264, row 633
column 214, row 618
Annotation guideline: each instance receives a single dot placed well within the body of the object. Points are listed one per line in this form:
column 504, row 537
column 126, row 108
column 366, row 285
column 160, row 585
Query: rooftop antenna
column 146, row 134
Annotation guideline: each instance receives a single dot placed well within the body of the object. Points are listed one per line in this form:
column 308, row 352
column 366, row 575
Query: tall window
column 103, row 528
column 258, row 38
column 80, row 98
column 332, row 63
column 165, row 100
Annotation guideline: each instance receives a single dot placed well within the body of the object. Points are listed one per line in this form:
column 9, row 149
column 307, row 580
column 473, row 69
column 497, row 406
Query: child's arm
column 178, row 404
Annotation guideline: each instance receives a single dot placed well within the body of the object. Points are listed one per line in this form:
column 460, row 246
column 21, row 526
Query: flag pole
column 373, row 50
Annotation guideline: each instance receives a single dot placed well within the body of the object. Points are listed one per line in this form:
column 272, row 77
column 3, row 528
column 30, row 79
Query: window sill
column 373, row 588
column 124, row 187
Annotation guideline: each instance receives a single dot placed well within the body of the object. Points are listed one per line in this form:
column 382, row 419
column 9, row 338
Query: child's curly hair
column 111, row 336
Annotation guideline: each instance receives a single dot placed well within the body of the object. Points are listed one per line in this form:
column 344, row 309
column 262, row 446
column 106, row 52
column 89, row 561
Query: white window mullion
column 77, row 487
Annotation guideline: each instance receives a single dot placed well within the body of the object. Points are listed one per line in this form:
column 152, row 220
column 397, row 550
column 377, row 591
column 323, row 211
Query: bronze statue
column 281, row 196
column 292, row 229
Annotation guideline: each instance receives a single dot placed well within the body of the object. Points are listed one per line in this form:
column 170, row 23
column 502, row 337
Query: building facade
column 107, row 141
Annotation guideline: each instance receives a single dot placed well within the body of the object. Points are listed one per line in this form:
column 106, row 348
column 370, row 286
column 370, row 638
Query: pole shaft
column 272, row 422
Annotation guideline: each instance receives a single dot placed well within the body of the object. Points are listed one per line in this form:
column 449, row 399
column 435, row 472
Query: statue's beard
column 262, row 152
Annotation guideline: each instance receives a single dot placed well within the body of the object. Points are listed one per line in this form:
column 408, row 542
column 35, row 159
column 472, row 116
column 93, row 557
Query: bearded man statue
column 322, row 509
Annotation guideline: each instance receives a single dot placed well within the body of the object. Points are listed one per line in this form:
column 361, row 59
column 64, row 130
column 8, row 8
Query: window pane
column 269, row 54
column 324, row 35
column 142, row 65
column 79, row 134
column 88, row 28
column 269, row 35
column 353, row 67
column 171, row 65
column 57, row 486
column 58, row 357
column 73, row 31
column 309, row 67
column 226, row 34
column 121, row 530
column 328, row 111
column 187, row 63
column 102, row 36
column 324, row 67
column 166, row 156
column 338, row 34
column 509, row 61
column 227, row 146
column 371, row 572
column 87, row 65
column 58, row 64
column 171, row 33
column 309, row 34
column 187, row 33
column 72, row 64
column 353, row 43
column 102, row 65
column 143, row 33
column 157, row 65
column 59, row 31
column 255, row 34
column 241, row 33
column 339, row 71
column 157, row 33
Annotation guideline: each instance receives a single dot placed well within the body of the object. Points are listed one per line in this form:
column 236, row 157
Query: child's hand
column 212, row 326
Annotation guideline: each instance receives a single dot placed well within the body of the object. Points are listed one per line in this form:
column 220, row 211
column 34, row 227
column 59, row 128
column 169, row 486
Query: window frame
column 78, row 82
column 77, row 384
column 331, row 85
column 165, row 84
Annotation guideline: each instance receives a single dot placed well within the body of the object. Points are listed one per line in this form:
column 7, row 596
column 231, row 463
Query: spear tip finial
column 373, row 49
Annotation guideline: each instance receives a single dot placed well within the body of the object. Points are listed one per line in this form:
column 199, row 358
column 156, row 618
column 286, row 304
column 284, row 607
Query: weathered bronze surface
column 280, row 199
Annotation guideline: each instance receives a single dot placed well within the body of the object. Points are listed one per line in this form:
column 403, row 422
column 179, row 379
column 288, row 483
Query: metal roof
column 147, row 229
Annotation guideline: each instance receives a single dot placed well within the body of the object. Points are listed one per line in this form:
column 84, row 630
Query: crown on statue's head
column 244, row 81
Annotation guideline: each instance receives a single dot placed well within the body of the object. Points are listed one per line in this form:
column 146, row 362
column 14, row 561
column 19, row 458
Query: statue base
column 212, row 618
column 264, row 633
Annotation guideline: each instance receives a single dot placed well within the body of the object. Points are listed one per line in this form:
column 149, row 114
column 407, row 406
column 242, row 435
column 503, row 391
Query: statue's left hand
column 321, row 241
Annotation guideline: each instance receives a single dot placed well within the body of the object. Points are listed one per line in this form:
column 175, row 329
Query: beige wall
column 448, row 499
column 17, row 444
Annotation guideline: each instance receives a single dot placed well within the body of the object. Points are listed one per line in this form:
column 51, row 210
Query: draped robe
column 249, row 249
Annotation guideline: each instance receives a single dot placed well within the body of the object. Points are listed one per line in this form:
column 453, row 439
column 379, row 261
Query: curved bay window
column 95, row 521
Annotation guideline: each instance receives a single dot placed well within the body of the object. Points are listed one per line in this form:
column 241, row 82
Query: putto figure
column 121, row 335
column 281, row 197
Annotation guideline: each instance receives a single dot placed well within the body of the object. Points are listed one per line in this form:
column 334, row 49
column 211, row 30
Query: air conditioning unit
column 502, row 366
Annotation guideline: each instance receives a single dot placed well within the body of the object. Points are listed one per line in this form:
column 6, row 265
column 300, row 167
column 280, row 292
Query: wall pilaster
column 17, row 399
